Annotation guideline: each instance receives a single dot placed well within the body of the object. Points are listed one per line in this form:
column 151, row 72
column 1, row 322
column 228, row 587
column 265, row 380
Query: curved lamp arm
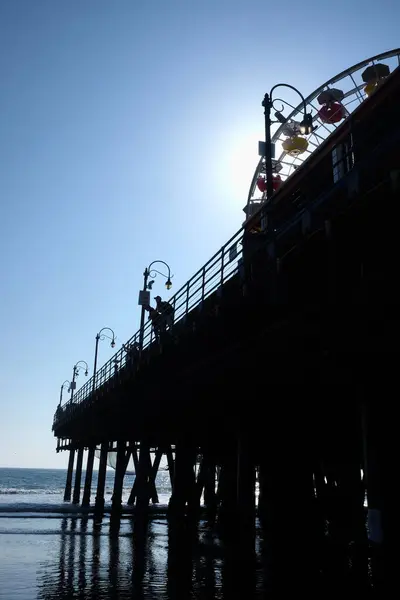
column 101, row 337
column 306, row 125
column 153, row 272
column 78, row 366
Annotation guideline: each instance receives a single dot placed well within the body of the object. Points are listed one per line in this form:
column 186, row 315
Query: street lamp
column 306, row 127
column 61, row 390
column 75, row 373
column 101, row 336
column 144, row 298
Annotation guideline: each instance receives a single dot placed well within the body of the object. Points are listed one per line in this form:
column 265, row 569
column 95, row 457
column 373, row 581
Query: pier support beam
column 340, row 492
column 288, row 504
column 171, row 465
column 78, row 476
column 132, row 495
column 209, row 486
column 142, row 480
column 119, row 480
column 68, row 483
column 374, row 443
column 184, row 490
column 227, row 491
column 153, row 474
column 206, row 482
column 88, row 477
column 99, row 502
column 246, row 501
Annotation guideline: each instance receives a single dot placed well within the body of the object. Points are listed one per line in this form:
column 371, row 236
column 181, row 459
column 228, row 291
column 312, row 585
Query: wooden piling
column 206, row 482
column 210, row 497
column 68, row 483
column 171, row 465
column 101, row 480
column 88, row 477
column 78, row 477
column 288, row 507
column 142, row 481
column 246, row 502
column 153, row 474
column 184, row 489
column 201, row 478
column 342, row 461
column 133, row 494
column 119, row 480
column 373, row 446
column 227, row 490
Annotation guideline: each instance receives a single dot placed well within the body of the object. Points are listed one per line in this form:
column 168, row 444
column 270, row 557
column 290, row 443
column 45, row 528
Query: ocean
column 43, row 489
column 50, row 550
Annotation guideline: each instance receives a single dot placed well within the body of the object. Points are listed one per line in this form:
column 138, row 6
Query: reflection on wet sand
column 159, row 562
column 169, row 561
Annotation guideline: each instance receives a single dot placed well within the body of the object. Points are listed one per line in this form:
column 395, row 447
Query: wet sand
column 67, row 557
column 71, row 557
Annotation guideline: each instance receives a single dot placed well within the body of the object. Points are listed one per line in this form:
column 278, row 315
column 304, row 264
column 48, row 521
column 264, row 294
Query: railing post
column 222, row 265
column 203, row 283
column 187, row 297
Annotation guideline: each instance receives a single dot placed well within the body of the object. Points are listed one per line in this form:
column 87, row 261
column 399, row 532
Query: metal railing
column 213, row 275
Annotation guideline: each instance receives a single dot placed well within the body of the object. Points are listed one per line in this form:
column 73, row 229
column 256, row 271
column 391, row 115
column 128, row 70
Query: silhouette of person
column 154, row 316
column 166, row 311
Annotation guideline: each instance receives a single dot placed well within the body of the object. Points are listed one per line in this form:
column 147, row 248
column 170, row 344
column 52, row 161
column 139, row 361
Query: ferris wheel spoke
column 319, row 137
column 356, row 88
column 312, row 143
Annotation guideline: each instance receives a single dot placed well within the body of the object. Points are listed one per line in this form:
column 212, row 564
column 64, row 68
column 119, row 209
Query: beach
column 49, row 549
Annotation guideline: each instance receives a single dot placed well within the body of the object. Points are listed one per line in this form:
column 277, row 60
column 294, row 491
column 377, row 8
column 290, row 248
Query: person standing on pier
column 132, row 353
column 154, row 316
column 166, row 311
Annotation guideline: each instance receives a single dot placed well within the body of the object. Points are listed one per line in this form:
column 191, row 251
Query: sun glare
column 241, row 161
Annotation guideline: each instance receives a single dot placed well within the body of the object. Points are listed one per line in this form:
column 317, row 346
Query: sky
column 128, row 133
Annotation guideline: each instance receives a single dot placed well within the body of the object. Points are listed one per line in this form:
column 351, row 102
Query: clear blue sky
column 128, row 133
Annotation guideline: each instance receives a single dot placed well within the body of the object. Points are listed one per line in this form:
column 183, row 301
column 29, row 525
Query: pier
column 273, row 380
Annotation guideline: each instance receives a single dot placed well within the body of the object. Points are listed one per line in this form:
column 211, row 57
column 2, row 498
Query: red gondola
column 332, row 112
column 262, row 183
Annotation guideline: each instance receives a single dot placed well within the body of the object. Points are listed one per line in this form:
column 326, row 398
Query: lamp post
column 75, row 373
column 147, row 285
column 306, row 127
column 101, row 336
column 61, row 390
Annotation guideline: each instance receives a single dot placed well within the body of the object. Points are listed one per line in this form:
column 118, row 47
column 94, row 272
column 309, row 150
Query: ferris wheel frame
column 357, row 90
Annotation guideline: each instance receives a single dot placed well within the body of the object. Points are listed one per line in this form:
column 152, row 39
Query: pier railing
column 213, row 275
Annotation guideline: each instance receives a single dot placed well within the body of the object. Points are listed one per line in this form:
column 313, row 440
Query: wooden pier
column 277, row 371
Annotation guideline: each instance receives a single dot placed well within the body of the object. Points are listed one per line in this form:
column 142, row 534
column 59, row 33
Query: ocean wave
column 33, row 492
column 60, row 491
column 22, row 509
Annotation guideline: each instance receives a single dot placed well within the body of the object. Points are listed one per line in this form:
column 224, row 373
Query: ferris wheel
column 329, row 106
